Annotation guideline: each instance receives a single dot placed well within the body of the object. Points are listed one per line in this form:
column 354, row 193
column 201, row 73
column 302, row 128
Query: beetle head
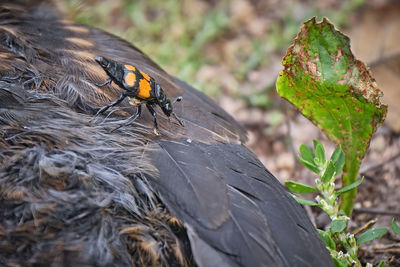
column 102, row 61
column 167, row 108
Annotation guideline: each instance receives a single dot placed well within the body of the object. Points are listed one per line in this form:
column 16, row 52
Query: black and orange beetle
column 139, row 87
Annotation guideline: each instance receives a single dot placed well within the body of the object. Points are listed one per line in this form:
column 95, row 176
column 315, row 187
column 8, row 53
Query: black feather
column 262, row 220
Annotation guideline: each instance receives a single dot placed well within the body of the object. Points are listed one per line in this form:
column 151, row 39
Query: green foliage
column 307, row 159
column 342, row 246
column 395, row 227
column 329, row 172
column 338, row 226
column 371, row 234
column 319, row 153
column 305, row 201
column 326, row 237
column 336, row 92
column 307, row 154
column 338, row 159
column 349, row 187
column 299, row 188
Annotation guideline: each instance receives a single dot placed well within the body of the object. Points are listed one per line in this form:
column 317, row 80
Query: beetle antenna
column 178, row 99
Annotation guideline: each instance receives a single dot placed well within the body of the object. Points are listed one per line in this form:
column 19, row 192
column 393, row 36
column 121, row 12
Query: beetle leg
column 131, row 119
column 116, row 102
column 105, row 83
column 153, row 112
column 179, row 120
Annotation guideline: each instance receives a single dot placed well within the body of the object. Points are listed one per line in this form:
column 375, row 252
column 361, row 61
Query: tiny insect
column 139, row 88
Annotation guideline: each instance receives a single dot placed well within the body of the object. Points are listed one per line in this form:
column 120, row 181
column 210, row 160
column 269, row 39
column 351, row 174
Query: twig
column 365, row 226
column 377, row 166
column 376, row 211
column 390, row 248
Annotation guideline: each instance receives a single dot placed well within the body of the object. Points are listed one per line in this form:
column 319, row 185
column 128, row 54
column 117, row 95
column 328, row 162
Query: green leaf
column 341, row 213
column 304, row 201
column 371, row 234
column 395, row 227
column 338, row 158
column 337, row 226
column 306, row 153
column 310, row 165
column 326, row 237
column 337, row 92
column 319, row 152
column 340, row 263
column 329, row 173
column 382, row 264
column 349, row 187
column 299, row 187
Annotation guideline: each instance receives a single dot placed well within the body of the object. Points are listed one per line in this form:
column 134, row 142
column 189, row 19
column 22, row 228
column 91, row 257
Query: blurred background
column 232, row 49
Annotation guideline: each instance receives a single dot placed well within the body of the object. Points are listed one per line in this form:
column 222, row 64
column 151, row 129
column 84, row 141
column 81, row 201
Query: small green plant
column 336, row 92
column 342, row 245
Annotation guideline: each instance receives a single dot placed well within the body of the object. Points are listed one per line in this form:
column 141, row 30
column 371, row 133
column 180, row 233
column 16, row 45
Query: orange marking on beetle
column 144, row 89
column 130, row 79
column 147, row 77
column 130, row 67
